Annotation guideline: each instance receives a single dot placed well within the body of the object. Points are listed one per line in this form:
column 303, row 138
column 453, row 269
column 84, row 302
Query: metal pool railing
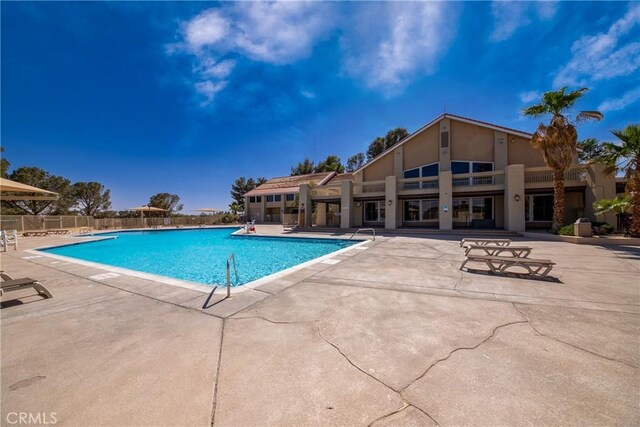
column 232, row 257
column 364, row 229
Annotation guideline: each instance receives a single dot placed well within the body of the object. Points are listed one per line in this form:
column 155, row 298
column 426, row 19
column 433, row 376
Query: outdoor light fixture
column 517, row 197
column 358, row 204
column 302, row 206
column 389, row 202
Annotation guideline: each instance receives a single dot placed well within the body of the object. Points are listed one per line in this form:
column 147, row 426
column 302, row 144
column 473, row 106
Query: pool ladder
column 364, row 229
column 230, row 259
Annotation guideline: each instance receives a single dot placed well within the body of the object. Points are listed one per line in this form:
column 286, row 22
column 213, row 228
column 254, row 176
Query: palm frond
column 589, row 115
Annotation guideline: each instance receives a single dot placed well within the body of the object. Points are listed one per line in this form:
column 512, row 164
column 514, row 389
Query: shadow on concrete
column 548, row 279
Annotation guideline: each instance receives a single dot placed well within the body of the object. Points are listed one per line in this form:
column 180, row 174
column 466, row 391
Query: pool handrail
column 364, row 229
column 231, row 257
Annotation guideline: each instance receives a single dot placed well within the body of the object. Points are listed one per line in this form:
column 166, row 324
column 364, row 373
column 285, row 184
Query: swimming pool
column 200, row 255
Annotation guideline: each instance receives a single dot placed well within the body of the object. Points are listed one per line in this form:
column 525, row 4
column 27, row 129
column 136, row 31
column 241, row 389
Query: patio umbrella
column 18, row 187
column 210, row 210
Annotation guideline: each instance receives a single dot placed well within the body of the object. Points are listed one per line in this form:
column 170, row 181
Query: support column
column 263, row 208
column 304, row 207
column 445, row 185
column 514, row 219
column 346, row 204
column 321, row 214
column 283, row 205
column 390, row 193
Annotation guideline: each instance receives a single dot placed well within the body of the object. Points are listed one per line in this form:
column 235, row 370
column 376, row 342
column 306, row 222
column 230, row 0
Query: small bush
column 567, row 230
column 608, row 228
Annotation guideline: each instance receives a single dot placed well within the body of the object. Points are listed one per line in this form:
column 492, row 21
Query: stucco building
column 454, row 172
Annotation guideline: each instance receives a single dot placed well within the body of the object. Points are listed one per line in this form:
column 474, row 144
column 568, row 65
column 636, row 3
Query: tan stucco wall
column 520, row 151
column 381, row 169
column 471, row 142
column 421, row 150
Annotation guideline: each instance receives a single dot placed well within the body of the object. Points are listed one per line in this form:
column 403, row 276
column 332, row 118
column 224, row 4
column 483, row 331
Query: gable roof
column 290, row 184
column 436, row 120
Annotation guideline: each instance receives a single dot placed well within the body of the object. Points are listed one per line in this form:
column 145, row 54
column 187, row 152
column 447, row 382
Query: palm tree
column 621, row 206
column 557, row 141
column 625, row 158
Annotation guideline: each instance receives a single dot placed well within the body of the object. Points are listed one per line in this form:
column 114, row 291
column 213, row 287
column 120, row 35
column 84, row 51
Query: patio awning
column 18, row 187
column 212, row 210
column 148, row 209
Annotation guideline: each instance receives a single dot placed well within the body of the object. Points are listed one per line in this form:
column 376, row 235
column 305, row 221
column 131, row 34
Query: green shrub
column 567, row 230
column 608, row 227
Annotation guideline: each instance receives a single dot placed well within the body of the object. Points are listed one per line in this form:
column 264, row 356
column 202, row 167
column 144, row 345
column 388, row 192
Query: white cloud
column 511, row 15
column 209, row 89
column 603, row 56
column 526, row 97
column 307, row 93
column 207, row 28
column 621, row 103
column 388, row 44
column 208, row 67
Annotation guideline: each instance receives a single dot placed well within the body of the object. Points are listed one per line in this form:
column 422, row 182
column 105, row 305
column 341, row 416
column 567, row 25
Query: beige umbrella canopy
column 18, row 187
column 143, row 209
column 212, row 210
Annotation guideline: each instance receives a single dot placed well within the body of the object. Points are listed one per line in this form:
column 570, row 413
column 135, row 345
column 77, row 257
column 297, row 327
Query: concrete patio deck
column 391, row 335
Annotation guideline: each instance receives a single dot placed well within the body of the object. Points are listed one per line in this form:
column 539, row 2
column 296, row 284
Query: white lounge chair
column 9, row 238
column 9, row 284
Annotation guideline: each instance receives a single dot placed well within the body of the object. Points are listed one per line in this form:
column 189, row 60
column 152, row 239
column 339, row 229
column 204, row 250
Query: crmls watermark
column 26, row 418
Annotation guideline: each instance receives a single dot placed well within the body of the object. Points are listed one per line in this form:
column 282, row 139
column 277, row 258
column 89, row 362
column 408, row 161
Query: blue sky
column 184, row 97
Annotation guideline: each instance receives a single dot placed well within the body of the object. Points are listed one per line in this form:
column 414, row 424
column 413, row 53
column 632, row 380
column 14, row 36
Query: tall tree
column 166, row 201
column 355, row 162
column 625, row 158
column 590, row 150
column 394, row 136
column 303, row 168
column 557, row 141
column 330, row 164
column 241, row 186
column 91, row 198
column 375, row 148
column 4, row 165
column 381, row 144
column 40, row 178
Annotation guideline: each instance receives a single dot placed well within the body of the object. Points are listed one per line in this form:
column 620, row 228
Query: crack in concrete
column 275, row 321
column 404, row 406
column 493, row 333
column 215, row 386
column 569, row 344
column 353, row 364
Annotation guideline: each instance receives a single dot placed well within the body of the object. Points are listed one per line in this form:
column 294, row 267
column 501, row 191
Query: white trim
column 194, row 285
column 436, row 120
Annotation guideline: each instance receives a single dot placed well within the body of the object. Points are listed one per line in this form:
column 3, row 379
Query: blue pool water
column 200, row 255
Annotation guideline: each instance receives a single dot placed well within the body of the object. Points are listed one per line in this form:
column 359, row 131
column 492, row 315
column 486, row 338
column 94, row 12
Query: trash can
column 582, row 228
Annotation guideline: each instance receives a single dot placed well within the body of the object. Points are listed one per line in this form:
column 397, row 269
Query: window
column 277, row 198
column 482, row 167
column 258, row 199
column 460, row 167
column 425, row 171
column 421, row 210
column 252, row 199
column 430, row 170
column 538, row 207
column 374, row 211
column 429, row 209
column 270, row 198
column 482, row 208
column 290, row 197
column 412, row 210
column 460, row 210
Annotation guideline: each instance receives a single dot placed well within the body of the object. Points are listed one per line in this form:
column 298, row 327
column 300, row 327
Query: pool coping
column 205, row 289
